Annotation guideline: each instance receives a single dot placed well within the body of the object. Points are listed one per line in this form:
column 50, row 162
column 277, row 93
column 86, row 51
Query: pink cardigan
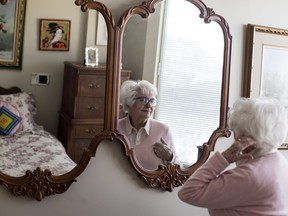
column 259, row 187
column 143, row 141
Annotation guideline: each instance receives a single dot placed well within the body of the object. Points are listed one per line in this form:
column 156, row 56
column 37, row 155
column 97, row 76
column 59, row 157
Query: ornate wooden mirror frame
column 167, row 176
column 39, row 184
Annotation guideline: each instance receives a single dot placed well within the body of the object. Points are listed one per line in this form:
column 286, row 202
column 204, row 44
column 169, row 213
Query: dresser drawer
column 89, row 107
column 87, row 131
column 91, row 85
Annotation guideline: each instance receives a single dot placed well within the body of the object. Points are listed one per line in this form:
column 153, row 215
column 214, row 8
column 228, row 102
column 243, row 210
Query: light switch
column 40, row 79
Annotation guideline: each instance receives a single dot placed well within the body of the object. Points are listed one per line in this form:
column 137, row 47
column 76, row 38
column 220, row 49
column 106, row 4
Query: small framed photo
column 54, row 35
column 91, row 56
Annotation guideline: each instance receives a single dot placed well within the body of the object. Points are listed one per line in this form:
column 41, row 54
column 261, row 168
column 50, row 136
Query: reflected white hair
column 263, row 118
column 130, row 89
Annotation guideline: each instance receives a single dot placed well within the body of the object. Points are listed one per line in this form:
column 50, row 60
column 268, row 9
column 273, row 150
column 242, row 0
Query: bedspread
column 29, row 150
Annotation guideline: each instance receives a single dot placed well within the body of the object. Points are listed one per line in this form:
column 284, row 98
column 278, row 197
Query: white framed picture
column 91, row 56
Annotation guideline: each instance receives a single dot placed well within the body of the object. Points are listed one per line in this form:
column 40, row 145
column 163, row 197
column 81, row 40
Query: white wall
column 109, row 186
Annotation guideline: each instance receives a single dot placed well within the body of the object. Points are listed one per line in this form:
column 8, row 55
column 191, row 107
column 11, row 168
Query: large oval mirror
column 188, row 59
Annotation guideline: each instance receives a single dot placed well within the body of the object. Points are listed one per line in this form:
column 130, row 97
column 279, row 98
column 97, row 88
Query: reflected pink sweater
column 259, row 187
column 142, row 141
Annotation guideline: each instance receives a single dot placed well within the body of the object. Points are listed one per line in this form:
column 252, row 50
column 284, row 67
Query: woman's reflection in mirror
column 150, row 139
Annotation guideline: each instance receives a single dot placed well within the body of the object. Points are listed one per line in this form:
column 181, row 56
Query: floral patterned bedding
column 29, row 150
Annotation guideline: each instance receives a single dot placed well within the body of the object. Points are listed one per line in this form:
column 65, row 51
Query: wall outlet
column 40, row 79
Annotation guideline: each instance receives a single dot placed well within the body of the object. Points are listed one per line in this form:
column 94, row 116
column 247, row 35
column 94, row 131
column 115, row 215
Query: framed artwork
column 266, row 65
column 54, row 35
column 91, row 56
column 12, row 20
column 102, row 35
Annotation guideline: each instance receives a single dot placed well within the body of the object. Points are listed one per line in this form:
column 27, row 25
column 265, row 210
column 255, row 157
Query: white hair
column 263, row 118
column 130, row 89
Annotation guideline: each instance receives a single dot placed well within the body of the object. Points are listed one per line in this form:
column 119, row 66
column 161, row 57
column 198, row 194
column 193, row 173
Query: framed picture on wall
column 266, row 65
column 12, row 19
column 102, row 35
column 54, row 35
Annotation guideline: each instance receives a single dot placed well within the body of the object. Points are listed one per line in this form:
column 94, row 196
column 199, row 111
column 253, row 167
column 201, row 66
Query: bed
column 25, row 145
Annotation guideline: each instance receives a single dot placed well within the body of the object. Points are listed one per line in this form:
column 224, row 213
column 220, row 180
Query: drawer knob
column 94, row 86
column 92, row 108
column 88, row 131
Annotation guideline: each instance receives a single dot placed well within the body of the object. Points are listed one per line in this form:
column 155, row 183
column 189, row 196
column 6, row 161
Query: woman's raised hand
column 240, row 149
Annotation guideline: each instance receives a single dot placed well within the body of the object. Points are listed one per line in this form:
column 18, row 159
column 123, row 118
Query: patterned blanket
column 30, row 150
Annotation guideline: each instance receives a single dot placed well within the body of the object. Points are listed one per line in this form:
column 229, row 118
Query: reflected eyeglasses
column 145, row 101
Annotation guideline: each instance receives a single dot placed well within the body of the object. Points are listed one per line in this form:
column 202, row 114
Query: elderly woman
column 258, row 185
column 150, row 139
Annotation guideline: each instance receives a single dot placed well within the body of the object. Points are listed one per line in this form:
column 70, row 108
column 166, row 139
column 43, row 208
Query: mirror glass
column 40, row 148
column 96, row 31
column 183, row 56
column 24, row 144
column 36, row 155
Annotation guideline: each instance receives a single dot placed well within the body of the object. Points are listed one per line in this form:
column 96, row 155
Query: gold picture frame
column 54, row 35
column 266, row 65
column 12, row 20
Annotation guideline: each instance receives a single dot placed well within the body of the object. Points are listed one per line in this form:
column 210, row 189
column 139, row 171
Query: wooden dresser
column 82, row 112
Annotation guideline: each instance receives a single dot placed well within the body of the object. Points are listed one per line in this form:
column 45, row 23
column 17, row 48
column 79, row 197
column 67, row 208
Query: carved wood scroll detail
column 37, row 184
column 144, row 10
column 168, row 179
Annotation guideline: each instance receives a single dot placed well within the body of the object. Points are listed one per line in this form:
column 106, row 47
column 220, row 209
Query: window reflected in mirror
column 190, row 77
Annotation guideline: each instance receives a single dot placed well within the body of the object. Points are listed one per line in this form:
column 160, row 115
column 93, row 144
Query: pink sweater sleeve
column 210, row 187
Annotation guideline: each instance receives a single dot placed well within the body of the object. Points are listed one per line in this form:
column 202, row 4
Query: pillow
column 9, row 119
column 26, row 106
